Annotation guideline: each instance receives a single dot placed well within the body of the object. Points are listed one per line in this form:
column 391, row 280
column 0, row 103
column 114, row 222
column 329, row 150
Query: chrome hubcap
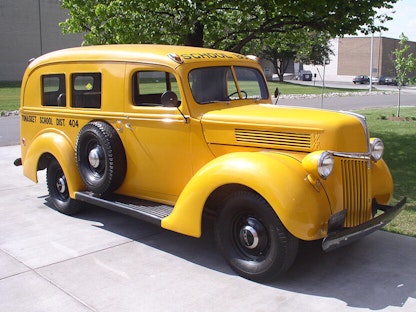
column 61, row 185
column 94, row 157
column 249, row 237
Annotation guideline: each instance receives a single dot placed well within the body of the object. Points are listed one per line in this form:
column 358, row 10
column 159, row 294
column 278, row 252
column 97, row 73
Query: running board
column 137, row 208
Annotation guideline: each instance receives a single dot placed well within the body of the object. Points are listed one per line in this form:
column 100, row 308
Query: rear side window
column 148, row 87
column 53, row 90
column 86, row 90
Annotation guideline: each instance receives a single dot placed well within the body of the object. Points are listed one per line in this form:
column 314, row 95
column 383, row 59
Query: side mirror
column 276, row 93
column 169, row 99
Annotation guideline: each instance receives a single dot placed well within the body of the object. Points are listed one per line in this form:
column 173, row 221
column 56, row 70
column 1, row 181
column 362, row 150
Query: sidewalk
column 103, row 261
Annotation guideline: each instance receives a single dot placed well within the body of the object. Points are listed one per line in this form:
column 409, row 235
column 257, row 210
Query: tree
column 316, row 50
column 404, row 63
column 224, row 24
column 279, row 50
column 302, row 46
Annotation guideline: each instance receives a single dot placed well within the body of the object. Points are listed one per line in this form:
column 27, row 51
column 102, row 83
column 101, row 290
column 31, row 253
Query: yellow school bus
column 173, row 135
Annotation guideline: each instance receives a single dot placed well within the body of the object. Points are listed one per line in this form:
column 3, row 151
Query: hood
column 286, row 128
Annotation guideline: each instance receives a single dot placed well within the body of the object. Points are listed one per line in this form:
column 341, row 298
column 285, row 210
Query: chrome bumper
column 346, row 236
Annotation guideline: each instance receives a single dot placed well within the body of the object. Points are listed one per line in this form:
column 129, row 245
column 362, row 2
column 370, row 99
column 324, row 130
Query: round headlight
column 377, row 148
column 318, row 164
column 325, row 165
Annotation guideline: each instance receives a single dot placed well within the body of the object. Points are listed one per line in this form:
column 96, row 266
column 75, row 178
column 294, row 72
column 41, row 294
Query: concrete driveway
column 102, row 261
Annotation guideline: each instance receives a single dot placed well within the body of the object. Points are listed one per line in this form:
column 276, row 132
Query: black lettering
column 73, row 123
column 27, row 118
column 186, row 56
column 209, row 55
column 60, row 121
column 45, row 120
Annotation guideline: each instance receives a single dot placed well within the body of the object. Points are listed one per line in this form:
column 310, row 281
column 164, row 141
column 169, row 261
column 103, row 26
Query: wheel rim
column 251, row 238
column 61, row 186
column 96, row 159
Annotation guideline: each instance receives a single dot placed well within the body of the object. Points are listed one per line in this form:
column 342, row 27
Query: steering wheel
column 236, row 92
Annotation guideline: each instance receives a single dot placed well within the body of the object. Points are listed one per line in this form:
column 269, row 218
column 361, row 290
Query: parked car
column 171, row 135
column 361, row 79
column 305, row 75
column 384, row 80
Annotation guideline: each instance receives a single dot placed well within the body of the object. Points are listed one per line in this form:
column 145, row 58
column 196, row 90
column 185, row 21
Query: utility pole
column 371, row 61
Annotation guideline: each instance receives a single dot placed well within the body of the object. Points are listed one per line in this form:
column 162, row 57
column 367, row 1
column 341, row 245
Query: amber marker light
column 175, row 57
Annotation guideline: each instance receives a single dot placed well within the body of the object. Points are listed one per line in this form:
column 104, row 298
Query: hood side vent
column 288, row 140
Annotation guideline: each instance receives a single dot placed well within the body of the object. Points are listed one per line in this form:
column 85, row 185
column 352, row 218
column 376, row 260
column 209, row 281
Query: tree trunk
column 196, row 37
column 398, row 102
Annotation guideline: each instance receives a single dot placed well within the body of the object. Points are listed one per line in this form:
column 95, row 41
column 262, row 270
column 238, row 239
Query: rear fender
column 279, row 178
column 59, row 147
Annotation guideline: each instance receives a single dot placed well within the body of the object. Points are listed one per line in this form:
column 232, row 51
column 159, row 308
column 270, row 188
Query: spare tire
column 101, row 158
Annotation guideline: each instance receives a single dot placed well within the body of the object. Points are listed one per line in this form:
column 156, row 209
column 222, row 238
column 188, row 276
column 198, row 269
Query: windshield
column 224, row 84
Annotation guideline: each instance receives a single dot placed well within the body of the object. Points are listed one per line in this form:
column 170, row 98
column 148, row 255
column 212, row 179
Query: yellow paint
column 181, row 156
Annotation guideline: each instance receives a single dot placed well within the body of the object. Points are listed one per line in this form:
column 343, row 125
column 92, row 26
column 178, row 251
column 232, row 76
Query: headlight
column 325, row 165
column 319, row 164
column 377, row 148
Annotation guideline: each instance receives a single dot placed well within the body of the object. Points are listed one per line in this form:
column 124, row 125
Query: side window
column 148, row 87
column 53, row 90
column 86, row 90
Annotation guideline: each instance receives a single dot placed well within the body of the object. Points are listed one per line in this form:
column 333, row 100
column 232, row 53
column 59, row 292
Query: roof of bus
column 161, row 54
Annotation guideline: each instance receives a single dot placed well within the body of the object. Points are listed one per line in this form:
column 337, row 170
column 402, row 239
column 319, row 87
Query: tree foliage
column 305, row 47
column 404, row 63
column 224, row 24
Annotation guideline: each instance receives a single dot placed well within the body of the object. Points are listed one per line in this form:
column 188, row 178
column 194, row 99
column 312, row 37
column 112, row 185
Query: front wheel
column 58, row 190
column 252, row 239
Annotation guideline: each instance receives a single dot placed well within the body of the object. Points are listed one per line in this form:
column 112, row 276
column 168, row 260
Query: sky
column 404, row 21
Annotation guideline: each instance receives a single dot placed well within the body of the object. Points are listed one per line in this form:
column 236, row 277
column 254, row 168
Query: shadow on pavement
column 374, row 273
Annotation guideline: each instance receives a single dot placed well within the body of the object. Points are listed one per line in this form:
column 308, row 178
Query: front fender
column 59, row 147
column 381, row 182
column 279, row 178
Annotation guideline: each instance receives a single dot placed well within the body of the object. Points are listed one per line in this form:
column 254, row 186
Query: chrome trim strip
column 366, row 156
column 363, row 122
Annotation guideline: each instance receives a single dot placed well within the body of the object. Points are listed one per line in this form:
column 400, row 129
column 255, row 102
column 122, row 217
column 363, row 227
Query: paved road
column 9, row 130
column 354, row 102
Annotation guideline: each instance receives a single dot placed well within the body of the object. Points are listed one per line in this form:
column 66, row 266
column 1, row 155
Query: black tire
column 252, row 239
column 101, row 159
column 58, row 190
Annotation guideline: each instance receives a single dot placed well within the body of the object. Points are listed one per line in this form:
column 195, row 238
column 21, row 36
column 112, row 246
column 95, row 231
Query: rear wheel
column 58, row 190
column 252, row 238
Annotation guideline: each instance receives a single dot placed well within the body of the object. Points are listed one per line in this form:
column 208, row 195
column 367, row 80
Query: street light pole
column 371, row 61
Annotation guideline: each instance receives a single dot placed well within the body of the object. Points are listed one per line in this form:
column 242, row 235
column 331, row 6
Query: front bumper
column 346, row 236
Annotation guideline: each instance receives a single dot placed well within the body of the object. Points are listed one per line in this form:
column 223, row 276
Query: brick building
column 353, row 56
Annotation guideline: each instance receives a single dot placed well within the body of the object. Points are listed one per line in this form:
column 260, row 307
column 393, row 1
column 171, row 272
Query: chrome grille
column 355, row 191
column 283, row 139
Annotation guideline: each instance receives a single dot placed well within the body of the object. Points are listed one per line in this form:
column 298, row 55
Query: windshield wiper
column 215, row 101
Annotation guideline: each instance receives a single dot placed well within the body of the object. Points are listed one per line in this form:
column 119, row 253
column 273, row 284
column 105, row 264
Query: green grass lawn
column 9, row 96
column 398, row 137
column 400, row 156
